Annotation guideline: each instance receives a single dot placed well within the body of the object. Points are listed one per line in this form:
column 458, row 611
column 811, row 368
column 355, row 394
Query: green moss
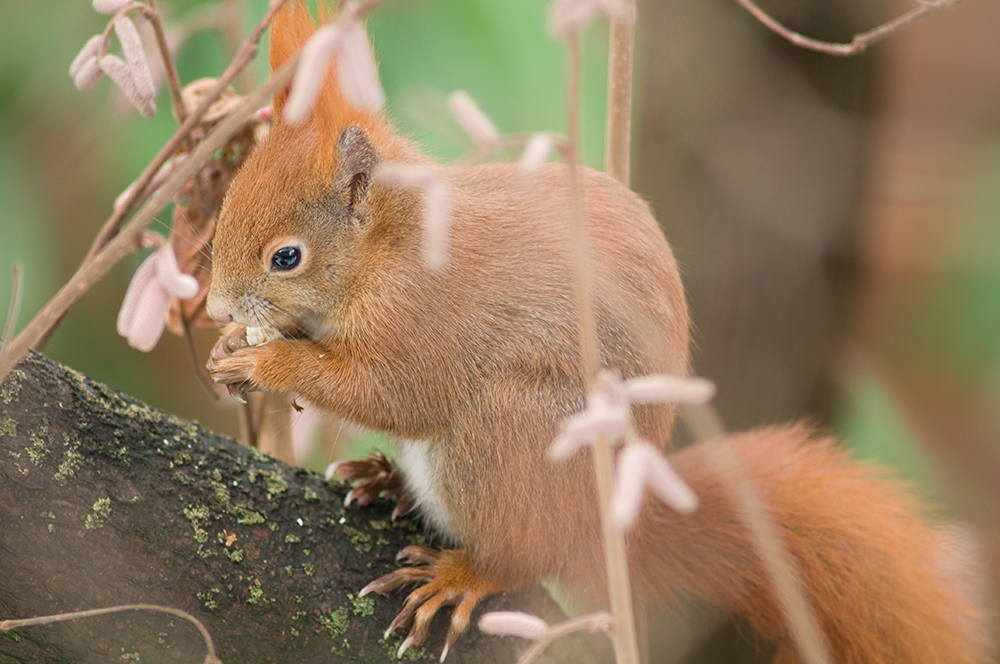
column 256, row 592
column 207, row 598
column 196, row 513
column 308, row 569
column 379, row 524
column 412, row 653
column 8, row 427
column 309, row 494
column 101, row 513
column 276, row 485
column 362, row 541
column 292, row 539
column 121, row 455
column 363, row 606
column 12, row 386
column 235, row 555
column 335, row 622
column 71, row 461
column 248, row 517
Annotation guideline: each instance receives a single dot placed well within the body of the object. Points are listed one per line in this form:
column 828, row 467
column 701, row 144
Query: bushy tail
column 886, row 587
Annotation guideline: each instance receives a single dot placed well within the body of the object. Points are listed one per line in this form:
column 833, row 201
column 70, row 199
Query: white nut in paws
column 257, row 336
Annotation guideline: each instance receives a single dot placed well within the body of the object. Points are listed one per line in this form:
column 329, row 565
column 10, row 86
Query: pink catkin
column 358, row 71
column 310, row 73
column 514, row 623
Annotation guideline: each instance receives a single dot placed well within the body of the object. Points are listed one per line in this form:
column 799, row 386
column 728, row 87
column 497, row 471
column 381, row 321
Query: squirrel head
column 303, row 212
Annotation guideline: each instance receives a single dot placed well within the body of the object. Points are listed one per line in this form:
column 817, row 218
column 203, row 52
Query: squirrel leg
column 448, row 578
column 376, row 475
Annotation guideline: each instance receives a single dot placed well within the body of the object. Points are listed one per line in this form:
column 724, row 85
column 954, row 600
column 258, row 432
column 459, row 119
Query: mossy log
column 106, row 501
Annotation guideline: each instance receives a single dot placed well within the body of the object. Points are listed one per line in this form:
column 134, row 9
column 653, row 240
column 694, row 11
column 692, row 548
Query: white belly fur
column 414, row 457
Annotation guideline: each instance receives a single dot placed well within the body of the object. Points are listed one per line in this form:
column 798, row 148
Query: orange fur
column 473, row 368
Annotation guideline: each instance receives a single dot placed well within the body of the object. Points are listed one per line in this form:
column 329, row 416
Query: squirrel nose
column 215, row 311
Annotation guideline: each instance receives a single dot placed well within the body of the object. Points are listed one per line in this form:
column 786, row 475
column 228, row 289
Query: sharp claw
column 407, row 642
column 400, row 621
column 235, row 393
column 417, row 555
column 444, row 653
column 403, row 507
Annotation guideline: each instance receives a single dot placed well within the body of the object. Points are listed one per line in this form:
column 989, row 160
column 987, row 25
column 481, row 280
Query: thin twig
column 620, row 58
column 860, row 42
column 173, row 80
column 197, row 366
column 127, row 240
column 12, row 311
column 706, row 424
column 619, row 590
column 210, row 656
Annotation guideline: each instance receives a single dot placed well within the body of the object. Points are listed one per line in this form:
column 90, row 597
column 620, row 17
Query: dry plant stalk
column 860, row 42
column 619, row 131
column 706, row 424
column 624, row 636
column 210, row 656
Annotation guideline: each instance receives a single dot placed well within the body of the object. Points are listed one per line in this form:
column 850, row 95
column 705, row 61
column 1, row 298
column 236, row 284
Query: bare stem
column 128, row 239
column 619, row 590
column 560, row 630
column 12, row 311
column 173, row 80
column 810, row 645
column 210, row 656
column 860, row 42
column 620, row 95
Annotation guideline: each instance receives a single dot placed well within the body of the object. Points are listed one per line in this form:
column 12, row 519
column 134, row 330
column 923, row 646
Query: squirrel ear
column 357, row 159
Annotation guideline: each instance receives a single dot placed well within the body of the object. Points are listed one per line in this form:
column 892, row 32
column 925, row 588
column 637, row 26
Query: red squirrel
column 472, row 368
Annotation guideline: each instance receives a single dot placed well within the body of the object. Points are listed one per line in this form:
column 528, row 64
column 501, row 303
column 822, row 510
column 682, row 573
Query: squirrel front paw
column 233, row 360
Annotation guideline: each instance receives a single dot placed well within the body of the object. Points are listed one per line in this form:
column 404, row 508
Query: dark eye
column 286, row 258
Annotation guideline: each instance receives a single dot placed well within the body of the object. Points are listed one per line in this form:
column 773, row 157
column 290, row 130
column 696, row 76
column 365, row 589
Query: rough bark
column 104, row 501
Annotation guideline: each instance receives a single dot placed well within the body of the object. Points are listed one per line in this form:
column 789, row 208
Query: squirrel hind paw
column 449, row 579
column 375, row 475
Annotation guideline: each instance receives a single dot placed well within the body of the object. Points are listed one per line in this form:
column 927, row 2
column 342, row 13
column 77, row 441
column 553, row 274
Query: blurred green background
column 837, row 221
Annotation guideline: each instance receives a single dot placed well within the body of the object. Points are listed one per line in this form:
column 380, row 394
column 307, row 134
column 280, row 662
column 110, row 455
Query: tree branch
column 108, row 501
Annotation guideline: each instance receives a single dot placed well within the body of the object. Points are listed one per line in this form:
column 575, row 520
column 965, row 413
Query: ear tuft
column 332, row 113
column 290, row 30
